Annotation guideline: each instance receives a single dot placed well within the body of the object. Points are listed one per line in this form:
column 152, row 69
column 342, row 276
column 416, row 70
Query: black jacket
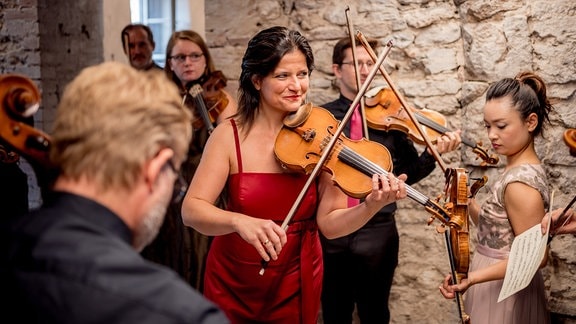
column 72, row 262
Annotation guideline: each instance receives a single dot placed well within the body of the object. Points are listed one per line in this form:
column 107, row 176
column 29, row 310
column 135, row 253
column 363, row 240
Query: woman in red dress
column 239, row 159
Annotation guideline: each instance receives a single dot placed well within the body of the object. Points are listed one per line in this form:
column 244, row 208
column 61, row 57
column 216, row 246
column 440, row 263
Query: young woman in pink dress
column 515, row 112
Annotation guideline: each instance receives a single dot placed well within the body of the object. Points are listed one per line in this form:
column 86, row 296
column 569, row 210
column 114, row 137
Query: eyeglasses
column 181, row 58
column 368, row 64
column 180, row 186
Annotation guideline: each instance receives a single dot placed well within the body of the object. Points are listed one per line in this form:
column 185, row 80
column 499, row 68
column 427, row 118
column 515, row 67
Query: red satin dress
column 289, row 291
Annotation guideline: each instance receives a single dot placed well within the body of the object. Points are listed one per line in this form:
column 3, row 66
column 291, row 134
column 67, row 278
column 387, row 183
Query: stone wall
column 444, row 56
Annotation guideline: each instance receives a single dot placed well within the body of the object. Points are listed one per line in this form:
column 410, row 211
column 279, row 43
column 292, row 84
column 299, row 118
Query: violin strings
column 431, row 124
column 369, row 168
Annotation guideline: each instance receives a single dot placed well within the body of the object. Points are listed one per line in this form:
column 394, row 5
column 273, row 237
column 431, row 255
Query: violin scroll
column 481, row 153
column 570, row 140
column 20, row 99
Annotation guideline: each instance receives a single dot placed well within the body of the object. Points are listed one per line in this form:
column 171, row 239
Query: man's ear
column 336, row 69
column 154, row 166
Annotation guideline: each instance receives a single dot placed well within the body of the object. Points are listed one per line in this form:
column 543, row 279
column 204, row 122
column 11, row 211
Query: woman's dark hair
column 264, row 52
column 527, row 92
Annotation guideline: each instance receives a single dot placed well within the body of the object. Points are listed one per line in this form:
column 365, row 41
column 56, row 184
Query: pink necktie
column 355, row 134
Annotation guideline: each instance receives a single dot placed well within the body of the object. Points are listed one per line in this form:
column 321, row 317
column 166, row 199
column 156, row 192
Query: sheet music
column 525, row 256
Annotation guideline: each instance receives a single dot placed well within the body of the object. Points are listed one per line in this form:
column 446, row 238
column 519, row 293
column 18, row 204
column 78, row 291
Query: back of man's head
column 111, row 119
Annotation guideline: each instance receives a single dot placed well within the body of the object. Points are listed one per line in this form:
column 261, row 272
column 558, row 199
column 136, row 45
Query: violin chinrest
column 299, row 117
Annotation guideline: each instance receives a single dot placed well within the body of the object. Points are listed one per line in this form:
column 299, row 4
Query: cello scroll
column 20, row 99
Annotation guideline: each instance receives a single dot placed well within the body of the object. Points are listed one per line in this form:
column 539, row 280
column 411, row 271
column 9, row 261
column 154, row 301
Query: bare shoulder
column 222, row 134
column 219, row 151
column 523, row 195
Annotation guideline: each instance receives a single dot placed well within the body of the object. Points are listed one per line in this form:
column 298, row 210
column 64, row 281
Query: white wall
column 116, row 16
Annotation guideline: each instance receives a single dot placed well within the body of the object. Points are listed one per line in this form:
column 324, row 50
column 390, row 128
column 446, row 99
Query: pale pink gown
column 495, row 238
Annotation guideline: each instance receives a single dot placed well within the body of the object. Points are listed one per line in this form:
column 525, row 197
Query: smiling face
column 286, row 86
column 193, row 64
column 509, row 134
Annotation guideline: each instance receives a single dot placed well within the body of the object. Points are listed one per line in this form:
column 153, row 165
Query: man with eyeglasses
column 76, row 260
column 359, row 268
column 138, row 44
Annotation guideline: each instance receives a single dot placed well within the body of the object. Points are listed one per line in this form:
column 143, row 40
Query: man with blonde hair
column 119, row 138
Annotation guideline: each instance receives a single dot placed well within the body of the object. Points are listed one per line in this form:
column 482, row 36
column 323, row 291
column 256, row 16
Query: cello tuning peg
column 441, row 229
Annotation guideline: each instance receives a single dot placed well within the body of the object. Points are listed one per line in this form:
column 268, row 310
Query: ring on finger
column 266, row 242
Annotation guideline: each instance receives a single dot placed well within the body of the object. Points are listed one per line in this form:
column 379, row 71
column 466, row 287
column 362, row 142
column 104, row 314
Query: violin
column 570, row 140
column 385, row 112
column 457, row 240
column 352, row 163
column 209, row 100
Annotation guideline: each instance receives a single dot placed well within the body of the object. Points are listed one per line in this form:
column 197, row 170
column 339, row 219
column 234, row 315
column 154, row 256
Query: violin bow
column 463, row 316
column 402, row 101
column 329, row 146
column 357, row 72
column 562, row 218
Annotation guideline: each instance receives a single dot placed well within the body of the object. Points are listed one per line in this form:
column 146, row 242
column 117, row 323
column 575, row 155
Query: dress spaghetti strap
column 237, row 141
